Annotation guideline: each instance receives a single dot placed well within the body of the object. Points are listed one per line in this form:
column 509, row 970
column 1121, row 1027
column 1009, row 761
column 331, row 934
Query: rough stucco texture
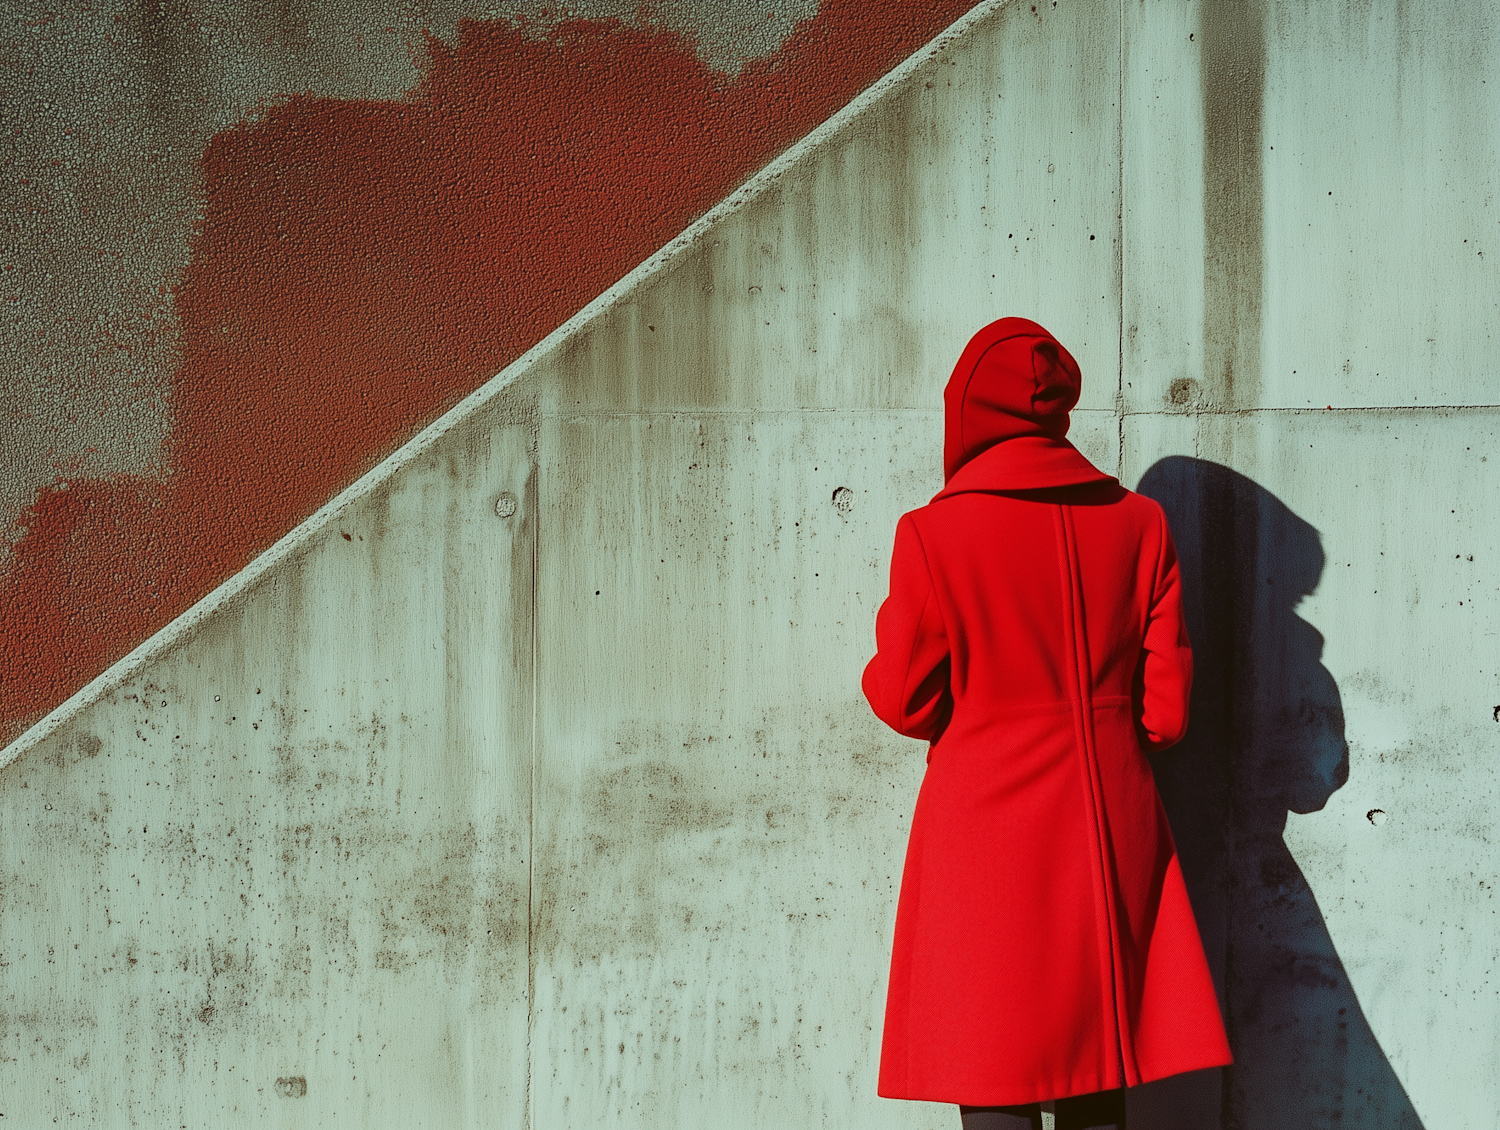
column 361, row 265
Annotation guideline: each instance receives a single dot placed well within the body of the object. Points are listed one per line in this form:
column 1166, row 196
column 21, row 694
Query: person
column 1044, row 949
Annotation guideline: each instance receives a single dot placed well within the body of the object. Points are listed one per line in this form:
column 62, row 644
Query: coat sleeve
column 1164, row 675
column 907, row 681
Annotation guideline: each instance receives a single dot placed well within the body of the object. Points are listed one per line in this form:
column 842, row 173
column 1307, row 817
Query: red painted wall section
column 362, row 265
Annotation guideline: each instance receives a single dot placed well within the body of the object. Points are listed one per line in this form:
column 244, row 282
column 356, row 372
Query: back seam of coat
column 1081, row 682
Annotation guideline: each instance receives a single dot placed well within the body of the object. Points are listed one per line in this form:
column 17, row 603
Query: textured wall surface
column 109, row 109
column 563, row 798
column 246, row 266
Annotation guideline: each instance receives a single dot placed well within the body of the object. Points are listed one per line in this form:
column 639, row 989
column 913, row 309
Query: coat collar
column 1024, row 463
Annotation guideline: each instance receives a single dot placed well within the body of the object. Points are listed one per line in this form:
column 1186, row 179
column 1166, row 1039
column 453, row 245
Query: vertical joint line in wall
column 536, row 537
column 1120, row 244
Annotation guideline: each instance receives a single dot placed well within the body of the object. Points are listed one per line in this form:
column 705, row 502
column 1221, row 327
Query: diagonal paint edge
column 185, row 625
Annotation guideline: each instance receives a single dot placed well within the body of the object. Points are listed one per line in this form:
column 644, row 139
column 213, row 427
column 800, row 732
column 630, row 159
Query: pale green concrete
column 281, row 878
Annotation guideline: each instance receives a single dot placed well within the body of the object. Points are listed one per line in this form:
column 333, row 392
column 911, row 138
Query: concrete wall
column 532, row 778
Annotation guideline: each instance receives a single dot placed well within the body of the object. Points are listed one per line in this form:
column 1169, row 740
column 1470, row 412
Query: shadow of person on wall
column 1266, row 738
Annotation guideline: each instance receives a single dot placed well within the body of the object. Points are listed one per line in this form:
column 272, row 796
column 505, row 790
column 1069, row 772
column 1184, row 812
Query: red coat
column 1033, row 634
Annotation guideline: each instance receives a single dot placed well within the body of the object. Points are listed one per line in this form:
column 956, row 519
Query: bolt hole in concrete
column 505, row 505
column 1183, row 390
column 1376, row 816
column 843, row 501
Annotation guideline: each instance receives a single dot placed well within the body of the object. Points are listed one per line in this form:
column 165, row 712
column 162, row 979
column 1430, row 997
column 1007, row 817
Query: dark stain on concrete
column 1234, row 74
column 292, row 1086
column 1183, row 393
column 655, row 799
column 658, row 844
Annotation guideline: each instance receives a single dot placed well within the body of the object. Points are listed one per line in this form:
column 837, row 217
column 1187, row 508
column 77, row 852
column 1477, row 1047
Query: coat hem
column 1056, row 1089
column 1059, row 1089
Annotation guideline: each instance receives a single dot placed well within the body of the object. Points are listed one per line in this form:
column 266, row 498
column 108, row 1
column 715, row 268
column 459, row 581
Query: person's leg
column 1027, row 1117
column 1103, row 1110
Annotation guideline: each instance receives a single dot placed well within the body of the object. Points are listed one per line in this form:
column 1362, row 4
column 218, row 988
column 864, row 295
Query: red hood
column 1013, row 382
column 1014, row 379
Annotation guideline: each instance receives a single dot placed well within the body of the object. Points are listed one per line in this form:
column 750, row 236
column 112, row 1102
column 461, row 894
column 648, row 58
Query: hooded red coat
column 1044, row 943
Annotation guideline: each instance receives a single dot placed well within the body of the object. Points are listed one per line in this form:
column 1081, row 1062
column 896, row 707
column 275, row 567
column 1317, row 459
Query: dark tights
column 1103, row 1110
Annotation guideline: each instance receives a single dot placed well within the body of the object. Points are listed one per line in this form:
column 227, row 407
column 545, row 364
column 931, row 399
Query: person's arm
column 907, row 681
column 1164, row 676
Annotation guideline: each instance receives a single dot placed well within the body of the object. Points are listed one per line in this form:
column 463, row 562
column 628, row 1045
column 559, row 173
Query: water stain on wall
column 1234, row 75
column 682, row 822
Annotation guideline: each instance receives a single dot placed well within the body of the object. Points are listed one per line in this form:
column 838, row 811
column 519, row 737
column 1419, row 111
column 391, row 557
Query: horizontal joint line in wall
column 1309, row 410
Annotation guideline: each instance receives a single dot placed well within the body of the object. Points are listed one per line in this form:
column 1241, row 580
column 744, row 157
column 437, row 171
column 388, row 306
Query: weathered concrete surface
column 290, row 862
column 846, row 284
column 1335, row 799
column 687, row 789
column 715, row 804
column 1309, row 201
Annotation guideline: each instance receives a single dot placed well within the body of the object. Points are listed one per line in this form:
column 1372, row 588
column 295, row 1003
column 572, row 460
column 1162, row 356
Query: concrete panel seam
column 1120, row 234
column 1408, row 409
column 536, row 538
